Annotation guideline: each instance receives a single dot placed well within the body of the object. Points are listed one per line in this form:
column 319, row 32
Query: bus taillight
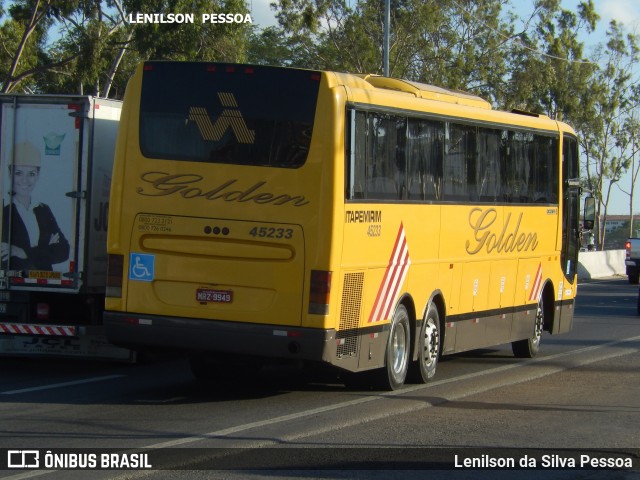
column 319, row 292
column 115, row 269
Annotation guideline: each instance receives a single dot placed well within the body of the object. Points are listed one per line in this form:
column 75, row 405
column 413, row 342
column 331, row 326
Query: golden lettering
column 190, row 186
column 509, row 239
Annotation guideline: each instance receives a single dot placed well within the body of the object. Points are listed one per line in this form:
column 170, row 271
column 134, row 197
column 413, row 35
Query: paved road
column 581, row 396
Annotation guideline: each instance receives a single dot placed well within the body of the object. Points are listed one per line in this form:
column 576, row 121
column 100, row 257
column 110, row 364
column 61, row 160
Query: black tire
column 394, row 373
column 529, row 347
column 429, row 346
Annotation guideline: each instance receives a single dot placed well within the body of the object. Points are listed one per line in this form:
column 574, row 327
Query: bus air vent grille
column 350, row 314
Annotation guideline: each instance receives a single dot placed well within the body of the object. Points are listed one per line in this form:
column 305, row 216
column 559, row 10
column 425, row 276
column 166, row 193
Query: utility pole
column 385, row 47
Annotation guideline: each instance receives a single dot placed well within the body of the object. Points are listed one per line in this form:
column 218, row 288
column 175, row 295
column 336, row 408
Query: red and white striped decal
column 535, row 289
column 34, row 329
column 393, row 279
column 40, row 281
column 46, row 277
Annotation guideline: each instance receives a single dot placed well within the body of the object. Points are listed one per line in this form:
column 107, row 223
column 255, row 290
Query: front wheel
column 428, row 346
column 393, row 375
column 529, row 347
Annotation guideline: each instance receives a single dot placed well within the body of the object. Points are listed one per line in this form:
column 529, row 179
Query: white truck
column 632, row 260
column 56, row 154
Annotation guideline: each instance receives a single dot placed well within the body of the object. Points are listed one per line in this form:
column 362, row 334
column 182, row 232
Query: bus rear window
column 222, row 113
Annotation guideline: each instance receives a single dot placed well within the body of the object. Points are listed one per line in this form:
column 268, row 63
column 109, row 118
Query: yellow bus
column 365, row 222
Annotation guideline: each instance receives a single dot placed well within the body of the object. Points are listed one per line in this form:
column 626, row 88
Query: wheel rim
column 399, row 346
column 539, row 325
column 431, row 343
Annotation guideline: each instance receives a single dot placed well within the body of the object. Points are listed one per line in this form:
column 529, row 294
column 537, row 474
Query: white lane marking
column 403, row 391
column 63, row 384
column 295, row 416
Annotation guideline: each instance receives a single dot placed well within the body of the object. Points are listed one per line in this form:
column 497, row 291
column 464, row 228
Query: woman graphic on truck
column 36, row 242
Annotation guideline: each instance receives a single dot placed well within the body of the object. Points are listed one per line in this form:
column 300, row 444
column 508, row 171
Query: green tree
column 94, row 37
column 72, row 61
column 603, row 133
column 24, row 37
column 198, row 41
column 630, row 145
column 87, row 46
column 456, row 44
column 549, row 72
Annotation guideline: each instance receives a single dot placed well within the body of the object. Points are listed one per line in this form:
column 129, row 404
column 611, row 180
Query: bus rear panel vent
column 347, row 335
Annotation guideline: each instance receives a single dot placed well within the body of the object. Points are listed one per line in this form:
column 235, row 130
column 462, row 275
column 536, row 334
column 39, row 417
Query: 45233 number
column 374, row 230
column 271, row 232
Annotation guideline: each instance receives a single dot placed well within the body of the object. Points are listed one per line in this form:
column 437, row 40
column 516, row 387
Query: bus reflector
column 319, row 292
column 115, row 270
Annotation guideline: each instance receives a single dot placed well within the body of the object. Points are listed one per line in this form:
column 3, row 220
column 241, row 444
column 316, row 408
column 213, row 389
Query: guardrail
column 601, row 264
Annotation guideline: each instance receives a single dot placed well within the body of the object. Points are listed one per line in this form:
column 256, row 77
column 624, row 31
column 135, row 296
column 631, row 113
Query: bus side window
column 516, row 166
column 543, row 188
column 460, row 171
column 383, row 176
column 488, row 145
column 358, row 176
column 424, row 159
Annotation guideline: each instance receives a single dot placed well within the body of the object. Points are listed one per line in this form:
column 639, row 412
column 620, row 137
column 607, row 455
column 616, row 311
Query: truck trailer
column 56, row 155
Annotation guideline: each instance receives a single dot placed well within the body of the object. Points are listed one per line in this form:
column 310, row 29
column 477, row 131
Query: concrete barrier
column 601, row 264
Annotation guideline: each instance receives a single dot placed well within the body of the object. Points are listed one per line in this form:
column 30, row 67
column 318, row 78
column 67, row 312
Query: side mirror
column 589, row 213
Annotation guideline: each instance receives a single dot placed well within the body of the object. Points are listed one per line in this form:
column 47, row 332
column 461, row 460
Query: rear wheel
column 529, row 348
column 393, row 375
column 428, row 346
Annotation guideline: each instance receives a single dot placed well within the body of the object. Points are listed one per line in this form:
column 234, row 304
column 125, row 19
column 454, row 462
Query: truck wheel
column 393, row 375
column 529, row 347
column 428, row 347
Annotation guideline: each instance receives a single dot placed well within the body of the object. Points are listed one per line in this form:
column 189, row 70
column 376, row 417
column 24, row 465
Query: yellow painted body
column 480, row 259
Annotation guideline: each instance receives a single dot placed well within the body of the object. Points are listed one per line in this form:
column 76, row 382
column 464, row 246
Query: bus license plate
column 205, row 295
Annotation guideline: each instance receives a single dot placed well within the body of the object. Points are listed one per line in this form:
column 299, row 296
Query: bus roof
column 423, row 90
column 461, row 100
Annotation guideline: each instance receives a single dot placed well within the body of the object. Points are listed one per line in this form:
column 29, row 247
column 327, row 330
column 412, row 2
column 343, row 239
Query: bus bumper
column 145, row 332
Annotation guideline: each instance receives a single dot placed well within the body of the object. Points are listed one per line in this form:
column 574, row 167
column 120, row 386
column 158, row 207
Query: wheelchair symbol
column 141, row 267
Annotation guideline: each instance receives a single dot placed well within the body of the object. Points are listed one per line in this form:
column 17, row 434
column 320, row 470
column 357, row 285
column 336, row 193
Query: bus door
column 570, row 231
